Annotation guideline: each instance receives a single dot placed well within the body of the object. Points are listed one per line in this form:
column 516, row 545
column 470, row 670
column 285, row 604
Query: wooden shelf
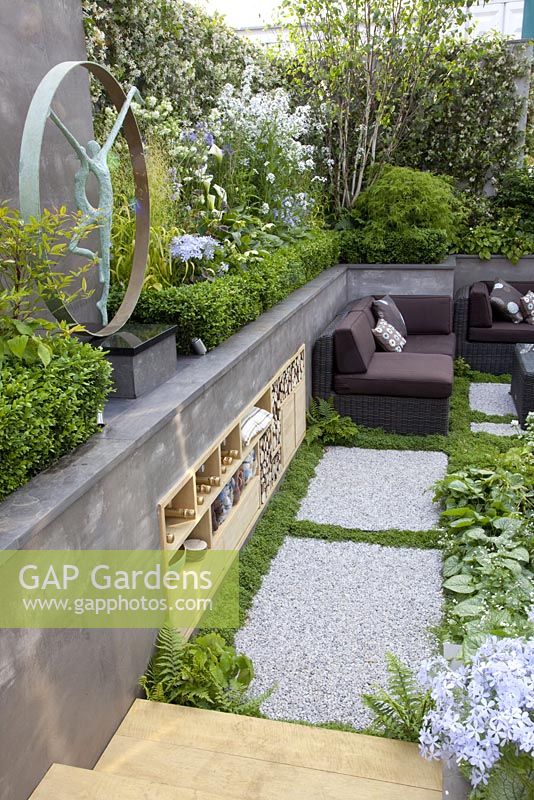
column 186, row 510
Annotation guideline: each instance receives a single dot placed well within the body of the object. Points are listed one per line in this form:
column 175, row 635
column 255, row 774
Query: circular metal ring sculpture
column 94, row 159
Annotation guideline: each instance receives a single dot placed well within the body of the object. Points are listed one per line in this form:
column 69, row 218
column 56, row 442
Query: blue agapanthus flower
column 190, row 247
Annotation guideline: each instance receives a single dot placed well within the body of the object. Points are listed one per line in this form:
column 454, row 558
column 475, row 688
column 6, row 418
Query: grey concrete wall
column 63, row 693
column 365, row 279
column 34, row 36
column 470, row 269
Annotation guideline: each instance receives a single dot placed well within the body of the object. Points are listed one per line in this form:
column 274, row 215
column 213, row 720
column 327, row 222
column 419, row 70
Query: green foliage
column 402, row 199
column 214, row 311
column 170, row 49
column 465, row 121
column 365, row 66
column 205, row 673
column 489, row 566
column 512, row 778
column 404, row 217
column 417, row 246
column 503, row 224
column 327, row 426
column 399, row 710
column 515, row 190
column 47, row 411
column 29, row 254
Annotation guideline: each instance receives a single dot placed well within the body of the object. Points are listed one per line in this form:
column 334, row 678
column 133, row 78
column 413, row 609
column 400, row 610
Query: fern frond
column 399, row 710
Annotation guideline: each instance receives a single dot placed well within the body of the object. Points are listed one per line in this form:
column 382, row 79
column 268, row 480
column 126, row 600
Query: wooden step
column 252, row 759
column 71, row 783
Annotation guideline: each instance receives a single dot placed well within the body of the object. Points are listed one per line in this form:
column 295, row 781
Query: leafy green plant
column 327, row 426
column 29, row 254
column 401, row 199
column 45, row 412
column 215, row 310
column 365, row 65
column 399, row 710
column 465, row 121
column 205, row 673
column 417, row 246
column 489, row 564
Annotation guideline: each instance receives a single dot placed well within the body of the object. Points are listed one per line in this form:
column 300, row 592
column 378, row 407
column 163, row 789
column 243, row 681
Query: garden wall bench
column 406, row 392
column 484, row 340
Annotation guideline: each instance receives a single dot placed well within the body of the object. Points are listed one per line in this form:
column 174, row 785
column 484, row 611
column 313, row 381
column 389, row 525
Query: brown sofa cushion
column 401, row 375
column 426, row 313
column 506, row 300
column 366, row 304
column 480, row 315
column 506, row 332
column 386, row 308
column 354, row 343
column 444, row 344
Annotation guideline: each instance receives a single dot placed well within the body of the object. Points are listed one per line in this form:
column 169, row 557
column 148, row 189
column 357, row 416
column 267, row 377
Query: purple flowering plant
column 191, row 248
column 483, row 717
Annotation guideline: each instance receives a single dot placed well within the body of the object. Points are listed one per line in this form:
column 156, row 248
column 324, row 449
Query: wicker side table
column 523, row 381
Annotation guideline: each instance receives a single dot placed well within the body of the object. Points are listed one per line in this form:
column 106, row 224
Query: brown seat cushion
column 444, row 344
column 480, row 315
column 401, row 375
column 506, row 332
column 426, row 313
column 366, row 304
column 354, row 343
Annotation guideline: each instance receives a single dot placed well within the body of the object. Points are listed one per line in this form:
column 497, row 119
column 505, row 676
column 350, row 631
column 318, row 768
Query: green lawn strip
column 422, row 540
column 479, row 416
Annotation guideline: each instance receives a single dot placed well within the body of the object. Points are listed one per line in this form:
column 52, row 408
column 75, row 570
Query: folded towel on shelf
column 256, row 421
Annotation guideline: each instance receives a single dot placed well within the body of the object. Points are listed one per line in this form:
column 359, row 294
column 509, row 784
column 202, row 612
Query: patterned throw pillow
column 527, row 307
column 388, row 337
column 507, row 301
column 387, row 309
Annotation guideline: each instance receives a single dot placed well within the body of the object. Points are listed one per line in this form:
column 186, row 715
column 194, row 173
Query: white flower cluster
column 256, row 117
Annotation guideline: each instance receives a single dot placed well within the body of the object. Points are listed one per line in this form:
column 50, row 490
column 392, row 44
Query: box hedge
column 214, row 311
column 417, row 246
column 45, row 412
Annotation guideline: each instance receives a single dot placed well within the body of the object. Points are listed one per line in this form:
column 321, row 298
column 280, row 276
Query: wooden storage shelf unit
column 186, row 510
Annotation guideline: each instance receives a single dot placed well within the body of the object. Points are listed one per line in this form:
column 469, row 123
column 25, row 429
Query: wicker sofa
column 483, row 340
column 406, row 392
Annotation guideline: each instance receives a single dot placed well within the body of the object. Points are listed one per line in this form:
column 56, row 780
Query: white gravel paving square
column 496, row 428
column 325, row 617
column 493, row 399
column 374, row 490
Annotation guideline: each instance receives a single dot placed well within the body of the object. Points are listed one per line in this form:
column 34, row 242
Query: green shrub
column 417, row 246
column 204, row 673
column 402, row 199
column 214, row 311
column 515, row 191
column 47, row 411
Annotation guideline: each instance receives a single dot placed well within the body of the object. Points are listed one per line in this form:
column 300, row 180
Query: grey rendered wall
column 366, row 279
column 470, row 269
column 63, row 693
column 34, row 36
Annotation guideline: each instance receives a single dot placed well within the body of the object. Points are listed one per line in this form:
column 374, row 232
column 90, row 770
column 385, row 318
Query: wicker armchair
column 405, row 415
column 493, row 357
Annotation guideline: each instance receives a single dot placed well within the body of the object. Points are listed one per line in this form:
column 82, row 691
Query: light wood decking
column 163, row 752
